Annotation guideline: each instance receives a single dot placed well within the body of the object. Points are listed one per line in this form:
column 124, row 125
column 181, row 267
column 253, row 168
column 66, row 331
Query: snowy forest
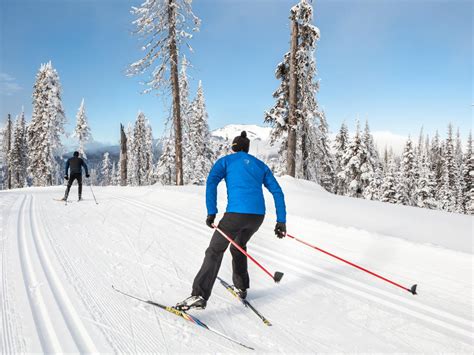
column 434, row 172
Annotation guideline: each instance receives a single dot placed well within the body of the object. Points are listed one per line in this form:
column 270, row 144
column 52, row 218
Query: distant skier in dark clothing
column 75, row 165
column 244, row 176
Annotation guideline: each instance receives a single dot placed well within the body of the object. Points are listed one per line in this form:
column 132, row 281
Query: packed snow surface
column 58, row 265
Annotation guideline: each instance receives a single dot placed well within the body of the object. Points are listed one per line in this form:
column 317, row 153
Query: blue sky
column 400, row 64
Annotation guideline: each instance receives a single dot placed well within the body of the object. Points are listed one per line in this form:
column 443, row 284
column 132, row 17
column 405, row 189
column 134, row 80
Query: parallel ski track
column 49, row 340
column 12, row 341
column 105, row 315
column 109, row 316
column 74, row 323
column 457, row 325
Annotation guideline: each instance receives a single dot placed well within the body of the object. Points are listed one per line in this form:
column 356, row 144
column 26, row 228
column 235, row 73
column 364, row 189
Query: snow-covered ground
column 58, row 264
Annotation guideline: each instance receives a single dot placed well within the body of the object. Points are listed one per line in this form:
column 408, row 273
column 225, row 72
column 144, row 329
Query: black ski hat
column 241, row 143
column 76, row 154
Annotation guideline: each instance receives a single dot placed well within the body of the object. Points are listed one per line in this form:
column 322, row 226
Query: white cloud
column 388, row 139
column 8, row 85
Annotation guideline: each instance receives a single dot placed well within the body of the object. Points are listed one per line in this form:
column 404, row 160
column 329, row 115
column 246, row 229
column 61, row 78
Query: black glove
column 87, row 175
column 280, row 229
column 66, row 177
column 210, row 220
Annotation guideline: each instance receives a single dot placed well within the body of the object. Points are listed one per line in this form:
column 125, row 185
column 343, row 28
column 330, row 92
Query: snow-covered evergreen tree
column 388, row 189
column 200, row 156
column 407, row 176
column 424, row 194
column 106, row 170
column 149, row 156
column 310, row 127
column 131, row 162
column 19, row 153
column 468, row 175
column 356, row 170
column 325, row 173
column 372, row 191
column 140, row 152
column 459, row 178
column 436, row 160
column 82, row 131
column 341, row 143
column 165, row 168
column 447, row 193
column 6, row 136
column 372, row 155
column 46, row 127
column 115, row 176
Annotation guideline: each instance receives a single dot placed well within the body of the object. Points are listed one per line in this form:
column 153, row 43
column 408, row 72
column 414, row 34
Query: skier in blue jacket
column 244, row 176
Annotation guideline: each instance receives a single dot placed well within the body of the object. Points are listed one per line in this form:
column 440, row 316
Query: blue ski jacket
column 244, row 176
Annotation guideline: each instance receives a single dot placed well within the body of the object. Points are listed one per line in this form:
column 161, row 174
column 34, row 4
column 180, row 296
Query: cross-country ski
column 183, row 315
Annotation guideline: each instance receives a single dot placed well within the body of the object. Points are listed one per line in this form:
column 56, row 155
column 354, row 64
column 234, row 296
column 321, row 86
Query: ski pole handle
column 276, row 277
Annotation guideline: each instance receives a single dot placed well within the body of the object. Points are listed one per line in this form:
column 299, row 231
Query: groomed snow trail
column 59, row 262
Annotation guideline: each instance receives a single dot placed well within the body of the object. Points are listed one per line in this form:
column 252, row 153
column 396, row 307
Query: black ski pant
column 73, row 177
column 239, row 227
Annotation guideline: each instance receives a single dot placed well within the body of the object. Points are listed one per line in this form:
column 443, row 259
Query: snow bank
column 309, row 200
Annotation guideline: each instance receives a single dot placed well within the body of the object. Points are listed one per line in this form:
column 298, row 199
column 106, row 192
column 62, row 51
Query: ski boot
column 192, row 302
column 242, row 293
column 79, row 199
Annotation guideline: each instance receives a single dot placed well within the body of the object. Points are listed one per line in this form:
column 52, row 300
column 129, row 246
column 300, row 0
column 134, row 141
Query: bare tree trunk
column 291, row 151
column 123, row 157
column 9, row 148
column 175, row 88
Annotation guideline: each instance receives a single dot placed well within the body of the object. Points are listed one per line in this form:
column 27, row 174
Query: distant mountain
column 259, row 138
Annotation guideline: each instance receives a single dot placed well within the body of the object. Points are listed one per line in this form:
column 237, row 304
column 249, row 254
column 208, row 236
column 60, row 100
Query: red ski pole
column 411, row 290
column 276, row 277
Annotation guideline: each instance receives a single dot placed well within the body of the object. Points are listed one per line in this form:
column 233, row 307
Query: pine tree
column 356, row 169
column 140, row 154
column 447, row 193
column 115, row 177
column 325, row 174
column 46, row 127
column 372, row 191
column 19, row 153
column 149, row 156
column 436, row 154
column 105, row 170
column 164, row 26
column 407, row 176
column 459, row 177
column 165, row 166
column 82, row 131
column 424, row 194
column 5, row 150
column 131, row 162
column 296, row 117
column 468, row 175
column 372, row 155
column 341, row 143
column 388, row 189
column 200, row 157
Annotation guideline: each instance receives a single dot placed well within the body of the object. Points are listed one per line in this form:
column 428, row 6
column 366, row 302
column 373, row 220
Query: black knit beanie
column 76, row 154
column 241, row 143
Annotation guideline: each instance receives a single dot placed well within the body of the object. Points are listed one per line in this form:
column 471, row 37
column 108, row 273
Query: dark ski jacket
column 76, row 164
column 244, row 176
